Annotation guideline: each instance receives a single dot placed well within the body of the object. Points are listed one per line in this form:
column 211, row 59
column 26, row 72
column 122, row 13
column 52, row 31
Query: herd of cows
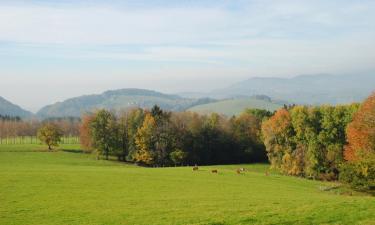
column 238, row 171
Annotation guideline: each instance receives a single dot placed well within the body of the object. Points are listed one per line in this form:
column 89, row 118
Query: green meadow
column 68, row 187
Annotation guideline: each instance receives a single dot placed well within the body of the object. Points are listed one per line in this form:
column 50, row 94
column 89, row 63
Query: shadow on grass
column 73, row 150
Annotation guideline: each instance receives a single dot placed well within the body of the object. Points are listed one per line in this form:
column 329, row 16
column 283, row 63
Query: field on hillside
column 232, row 107
column 68, row 187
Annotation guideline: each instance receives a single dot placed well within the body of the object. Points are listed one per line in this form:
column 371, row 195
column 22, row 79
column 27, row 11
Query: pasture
column 230, row 107
column 69, row 187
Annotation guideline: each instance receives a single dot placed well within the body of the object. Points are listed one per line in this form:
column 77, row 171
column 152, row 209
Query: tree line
column 324, row 142
column 9, row 118
column 317, row 142
column 160, row 138
column 12, row 129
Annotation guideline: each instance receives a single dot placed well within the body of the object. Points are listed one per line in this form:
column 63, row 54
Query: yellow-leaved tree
column 144, row 141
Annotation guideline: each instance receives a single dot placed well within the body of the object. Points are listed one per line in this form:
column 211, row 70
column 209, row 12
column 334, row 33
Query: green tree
column 246, row 131
column 178, row 156
column 134, row 121
column 261, row 114
column 104, row 132
column 50, row 134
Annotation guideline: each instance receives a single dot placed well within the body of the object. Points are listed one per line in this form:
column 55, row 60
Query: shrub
column 359, row 175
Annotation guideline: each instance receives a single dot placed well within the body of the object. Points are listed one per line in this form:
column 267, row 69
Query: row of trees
column 308, row 141
column 324, row 142
column 159, row 138
column 320, row 142
column 12, row 127
column 9, row 118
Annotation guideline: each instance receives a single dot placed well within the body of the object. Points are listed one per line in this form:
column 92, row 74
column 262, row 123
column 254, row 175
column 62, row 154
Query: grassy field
column 232, row 107
column 68, row 187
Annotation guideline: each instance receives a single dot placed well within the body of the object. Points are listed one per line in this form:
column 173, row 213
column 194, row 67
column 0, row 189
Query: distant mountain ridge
column 235, row 106
column 305, row 89
column 119, row 99
column 10, row 109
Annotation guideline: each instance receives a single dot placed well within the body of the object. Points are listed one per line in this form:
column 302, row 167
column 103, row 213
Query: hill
column 118, row 99
column 62, row 187
column 235, row 106
column 10, row 109
column 306, row 89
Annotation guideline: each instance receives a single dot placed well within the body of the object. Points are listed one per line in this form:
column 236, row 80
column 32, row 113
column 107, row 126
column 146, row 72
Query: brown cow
column 238, row 171
column 195, row 167
column 214, row 171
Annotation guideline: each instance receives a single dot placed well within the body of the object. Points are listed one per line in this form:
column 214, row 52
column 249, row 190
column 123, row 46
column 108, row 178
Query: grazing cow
column 214, row 171
column 242, row 169
column 238, row 171
column 195, row 167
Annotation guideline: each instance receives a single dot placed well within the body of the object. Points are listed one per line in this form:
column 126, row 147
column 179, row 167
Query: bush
column 359, row 175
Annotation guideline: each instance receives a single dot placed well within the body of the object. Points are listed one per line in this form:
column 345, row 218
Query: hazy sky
column 52, row 50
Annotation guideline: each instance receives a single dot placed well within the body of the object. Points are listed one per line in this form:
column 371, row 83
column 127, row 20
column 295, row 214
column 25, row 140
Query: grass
column 63, row 187
column 232, row 107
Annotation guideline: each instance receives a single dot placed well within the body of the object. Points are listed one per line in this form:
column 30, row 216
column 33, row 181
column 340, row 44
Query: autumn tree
column 85, row 132
column 361, row 132
column 145, row 141
column 50, row 134
column 359, row 170
column 308, row 141
column 277, row 133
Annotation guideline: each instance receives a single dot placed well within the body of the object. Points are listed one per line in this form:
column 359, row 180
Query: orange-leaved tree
column 361, row 132
column 277, row 133
column 85, row 132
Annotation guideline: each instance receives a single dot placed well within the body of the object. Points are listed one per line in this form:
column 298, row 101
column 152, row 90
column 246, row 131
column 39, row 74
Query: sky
column 52, row 50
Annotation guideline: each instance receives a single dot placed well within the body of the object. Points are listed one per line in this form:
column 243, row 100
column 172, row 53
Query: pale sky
column 52, row 50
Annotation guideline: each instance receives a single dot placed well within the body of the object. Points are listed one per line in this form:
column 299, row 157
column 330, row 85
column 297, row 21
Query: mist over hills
column 10, row 109
column 305, row 89
column 119, row 99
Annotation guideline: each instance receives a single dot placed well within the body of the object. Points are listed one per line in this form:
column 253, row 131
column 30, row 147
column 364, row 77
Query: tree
column 145, row 141
column 134, row 120
column 246, row 131
column 361, row 132
column 261, row 114
column 277, row 134
column 123, row 128
column 85, row 133
column 104, row 131
column 50, row 134
column 359, row 169
column 178, row 156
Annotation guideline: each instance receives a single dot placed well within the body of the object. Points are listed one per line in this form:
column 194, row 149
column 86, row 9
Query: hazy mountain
column 118, row 99
column 306, row 89
column 235, row 106
column 10, row 109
